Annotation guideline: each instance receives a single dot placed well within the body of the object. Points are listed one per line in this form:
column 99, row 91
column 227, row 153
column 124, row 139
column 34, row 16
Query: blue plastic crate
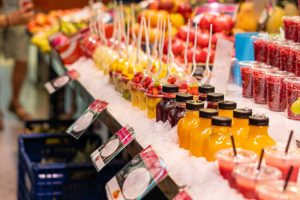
column 47, row 170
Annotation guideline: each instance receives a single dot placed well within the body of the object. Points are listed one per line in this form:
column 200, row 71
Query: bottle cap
column 215, row 97
column 183, row 97
column 208, row 113
column 170, row 88
column 227, row 105
column 194, row 105
column 242, row 113
column 221, row 121
column 206, row 88
column 259, row 120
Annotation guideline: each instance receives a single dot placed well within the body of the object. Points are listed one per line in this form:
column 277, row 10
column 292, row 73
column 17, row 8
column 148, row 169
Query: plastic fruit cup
column 273, row 190
column 134, row 94
column 260, row 48
column 287, row 57
column 246, row 73
column 247, row 177
column 142, row 98
column 227, row 161
column 275, row 156
column 259, row 84
column 118, row 82
column 293, row 97
column 297, row 61
column 290, row 28
column 272, row 53
column 276, row 90
column 151, row 102
column 126, row 88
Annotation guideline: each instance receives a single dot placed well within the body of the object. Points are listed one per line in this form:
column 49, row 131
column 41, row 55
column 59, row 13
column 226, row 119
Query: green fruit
column 295, row 108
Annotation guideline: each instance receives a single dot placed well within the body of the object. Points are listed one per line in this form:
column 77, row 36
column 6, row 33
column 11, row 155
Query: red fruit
column 185, row 10
column 223, row 23
column 166, row 5
column 172, row 80
column 182, row 32
column 203, row 39
column 155, row 91
column 184, row 86
column 204, row 55
column 206, row 20
column 197, row 55
column 178, row 47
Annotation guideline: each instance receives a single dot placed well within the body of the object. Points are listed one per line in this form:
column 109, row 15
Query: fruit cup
column 297, row 61
column 125, row 87
column 146, row 81
column 153, row 97
column 247, row 177
column 276, row 95
column 276, row 157
column 246, row 73
column 290, row 28
column 259, row 83
column 287, row 57
column 260, row 48
column 272, row 52
column 135, row 84
column 227, row 161
column 293, row 97
column 188, row 85
column 273, row 190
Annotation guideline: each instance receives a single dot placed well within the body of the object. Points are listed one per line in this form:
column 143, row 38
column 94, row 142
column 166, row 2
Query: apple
column 204, row 55
column 206, row 20
column 178, row 47
column 166, row 5
column 203, row 39
column 185, row 10
column 223, row 23
column 183, row 32
column 197, row 55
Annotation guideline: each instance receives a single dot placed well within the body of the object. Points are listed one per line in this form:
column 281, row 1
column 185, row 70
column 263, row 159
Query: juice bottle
column 240, row 124
column 204, row 89
column 213, row 100
column 183, row 128
column 167, row 103
column 219, row 138
column 179, row 112
column 258, row 137
column 226, row 108
column 200, row 130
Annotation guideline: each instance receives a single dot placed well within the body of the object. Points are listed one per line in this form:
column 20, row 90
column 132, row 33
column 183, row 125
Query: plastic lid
column 208, row 113
column 221, row 121
column 194, row 105
column 227, row 105
column 259, row 120
column 206, row 88
column 242, row 113
column 183, row 97
column 215, row 97
column 170, row 88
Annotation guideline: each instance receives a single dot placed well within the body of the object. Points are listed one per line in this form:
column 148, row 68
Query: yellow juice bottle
column 240, row 125
column 200, row 130
column 219, row 138
column 184, row 124
column 226, row 108
column 258, row 137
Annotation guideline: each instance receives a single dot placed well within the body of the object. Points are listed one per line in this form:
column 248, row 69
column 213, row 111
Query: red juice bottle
column 167, row 103
column 179, row 112
column 213, row 100
column 260, row 48
column 204, row 90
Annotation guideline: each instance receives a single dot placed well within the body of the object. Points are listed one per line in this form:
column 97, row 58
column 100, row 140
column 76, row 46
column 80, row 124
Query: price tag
column 182, row 195
column 222, row 64
column 87, row 118
column 108, row 151
column 138, row 177
column 61, row 81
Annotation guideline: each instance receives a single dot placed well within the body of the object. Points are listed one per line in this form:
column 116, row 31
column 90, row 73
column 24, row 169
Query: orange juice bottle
column 240, row 124
column 200, row 130
column 226, row 108
column 219, row 138
column 183, row 127
column 258, row 137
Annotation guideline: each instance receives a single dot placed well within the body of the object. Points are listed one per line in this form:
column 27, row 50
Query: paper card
column 222, row 64
column 108, row 151
column 138, row 177
column 87, row 118
column 61, row 81
column 182, row 195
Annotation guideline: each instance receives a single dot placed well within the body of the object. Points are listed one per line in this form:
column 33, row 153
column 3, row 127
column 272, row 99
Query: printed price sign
column 182, row 195
column 138, row 177
column 222, row 64
column 108, row 151
column 87, row 118
column 61, row 81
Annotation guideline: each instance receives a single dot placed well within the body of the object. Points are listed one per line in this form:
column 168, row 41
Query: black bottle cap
column 208, row 113
column 215, row 97
column 170, row 88
column 183, row 97
column 221, row 121
column 227, row 105
column 242, row 113
column 259, row 120
column 206, row 88
column 194, row 105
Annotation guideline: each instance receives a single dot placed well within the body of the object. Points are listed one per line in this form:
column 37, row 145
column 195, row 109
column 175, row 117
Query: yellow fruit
column 290, row 9
column 275, row 20
column 177, row 20
column 247, row 18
